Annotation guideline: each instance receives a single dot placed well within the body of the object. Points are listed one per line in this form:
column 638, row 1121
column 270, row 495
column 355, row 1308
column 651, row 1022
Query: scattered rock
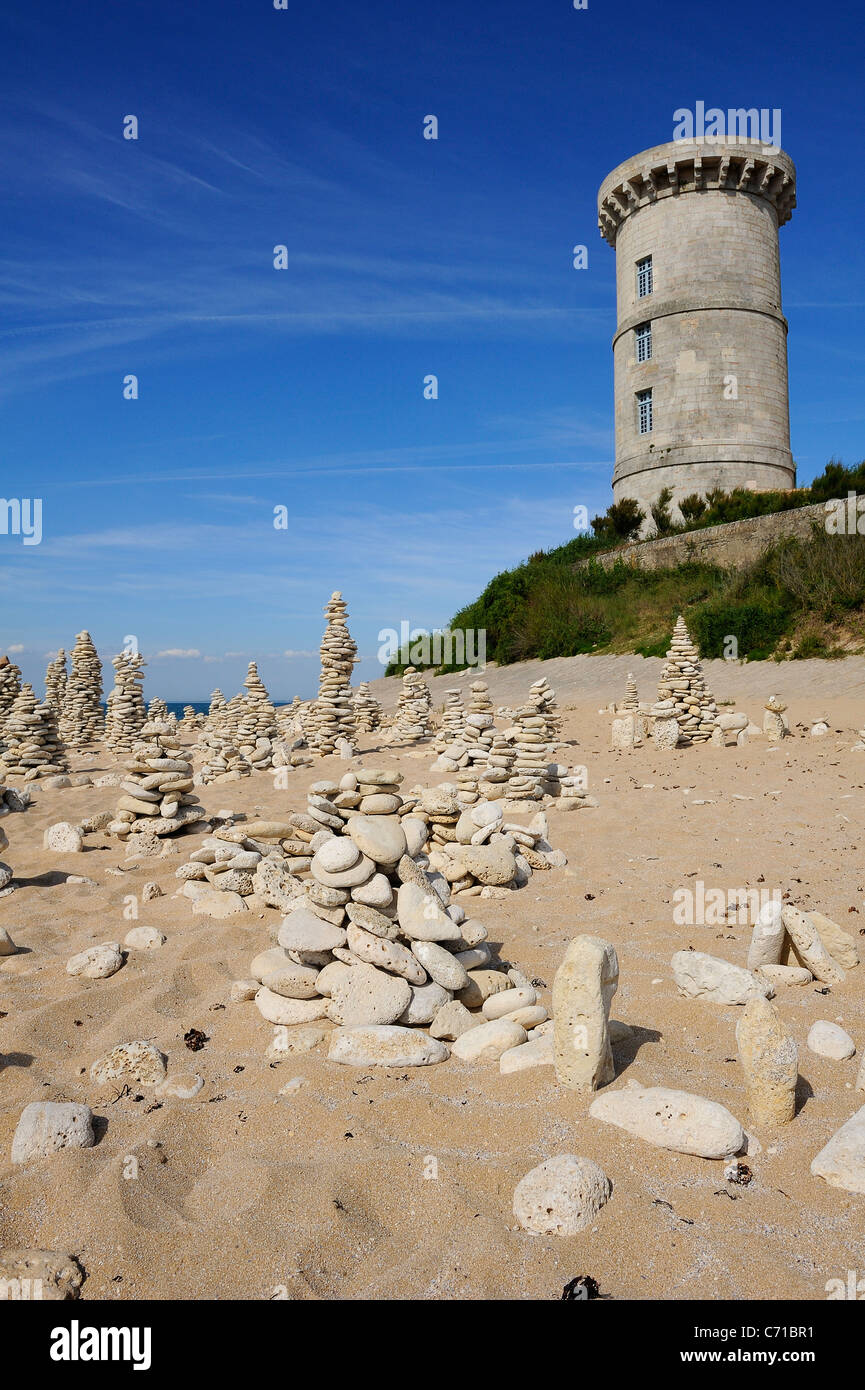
column 561, row 1196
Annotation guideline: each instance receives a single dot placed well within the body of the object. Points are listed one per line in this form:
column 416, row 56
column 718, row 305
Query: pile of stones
column 332, row 717
column 216, row 710
column 367, row 710
column 532, row 754
column 10, row 800
column 629, row 726
column 32, row 746
column 157, row 797
column 10, row 687
column 682, row 693
column 413, row 709
column 479, row 727
column 453, row 720
column 775, row 724
column 125, row 713
column 55, row 683
column 373, row 941
column 255, row 728
column 82, row 722
column 223, row 761
column 192, row 719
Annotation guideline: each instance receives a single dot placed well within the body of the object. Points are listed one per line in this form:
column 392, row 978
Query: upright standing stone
column 583, row 989
column 769, row 1060
column 83, row 722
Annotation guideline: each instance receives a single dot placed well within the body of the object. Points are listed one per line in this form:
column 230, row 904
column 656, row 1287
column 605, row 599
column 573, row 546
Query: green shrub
column 756, row 627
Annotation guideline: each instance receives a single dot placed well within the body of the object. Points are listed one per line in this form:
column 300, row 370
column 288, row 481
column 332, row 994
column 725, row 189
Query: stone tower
column 700, row 350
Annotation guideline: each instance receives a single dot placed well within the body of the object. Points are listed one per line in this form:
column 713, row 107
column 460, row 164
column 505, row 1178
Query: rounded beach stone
column 426, row 1002
column 385, row 1046
column 380, row 838
column 561, row 1196
column 337, row 854
column 47, row 1126
column 144, row 939
column 441, row 965
column 302, row 930
column 368, row 996
column 828, row 1040
column 278, row 1009
column 139, row 1061
column 97, row 962
column 671, row 1119
column 488, row 1041
column 508, row 1001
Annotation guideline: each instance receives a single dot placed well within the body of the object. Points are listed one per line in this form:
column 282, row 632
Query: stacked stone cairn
column 11, row 799
column 192, row 719
column 372, row 941
column 682, row 692
column 774, row 723
column 413, row 709
column 10, row 687
column 333, row 716
column 216, row 710
column 479, row 726
column 82, row 723
column 367, row 710
column 125, row 713
column 496, row 775
column 532, row 753
column 157, row 797
column 157, row 709
column 32, row 746
column 629, row 729
column 453, row 720
column 255, row 728
column 223, row 761
column 55, row 683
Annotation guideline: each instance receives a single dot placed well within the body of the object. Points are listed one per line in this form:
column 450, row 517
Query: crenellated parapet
column 695, row 166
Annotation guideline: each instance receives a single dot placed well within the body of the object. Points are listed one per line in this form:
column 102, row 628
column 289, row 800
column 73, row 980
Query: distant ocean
column 200, row 706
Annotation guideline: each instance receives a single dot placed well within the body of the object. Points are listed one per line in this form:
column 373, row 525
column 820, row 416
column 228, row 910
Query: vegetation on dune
column 801, row 598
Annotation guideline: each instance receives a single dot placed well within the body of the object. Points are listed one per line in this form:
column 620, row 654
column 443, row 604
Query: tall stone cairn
column 82, row 722
column 479, row 725
column 367, row 710
column 56, row 677
column 31, row 744
column 157, row 796
column 533, row 750
column 333, row 717
column 453, row 720
column 10, row 687
column 631, row 703
column 216, row 710
column 497, row 772
column 413, row 709
column 125, row 713
column 683, row 683
column 256, row 724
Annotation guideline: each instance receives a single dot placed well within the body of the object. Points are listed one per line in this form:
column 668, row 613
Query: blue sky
column 304, row 387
